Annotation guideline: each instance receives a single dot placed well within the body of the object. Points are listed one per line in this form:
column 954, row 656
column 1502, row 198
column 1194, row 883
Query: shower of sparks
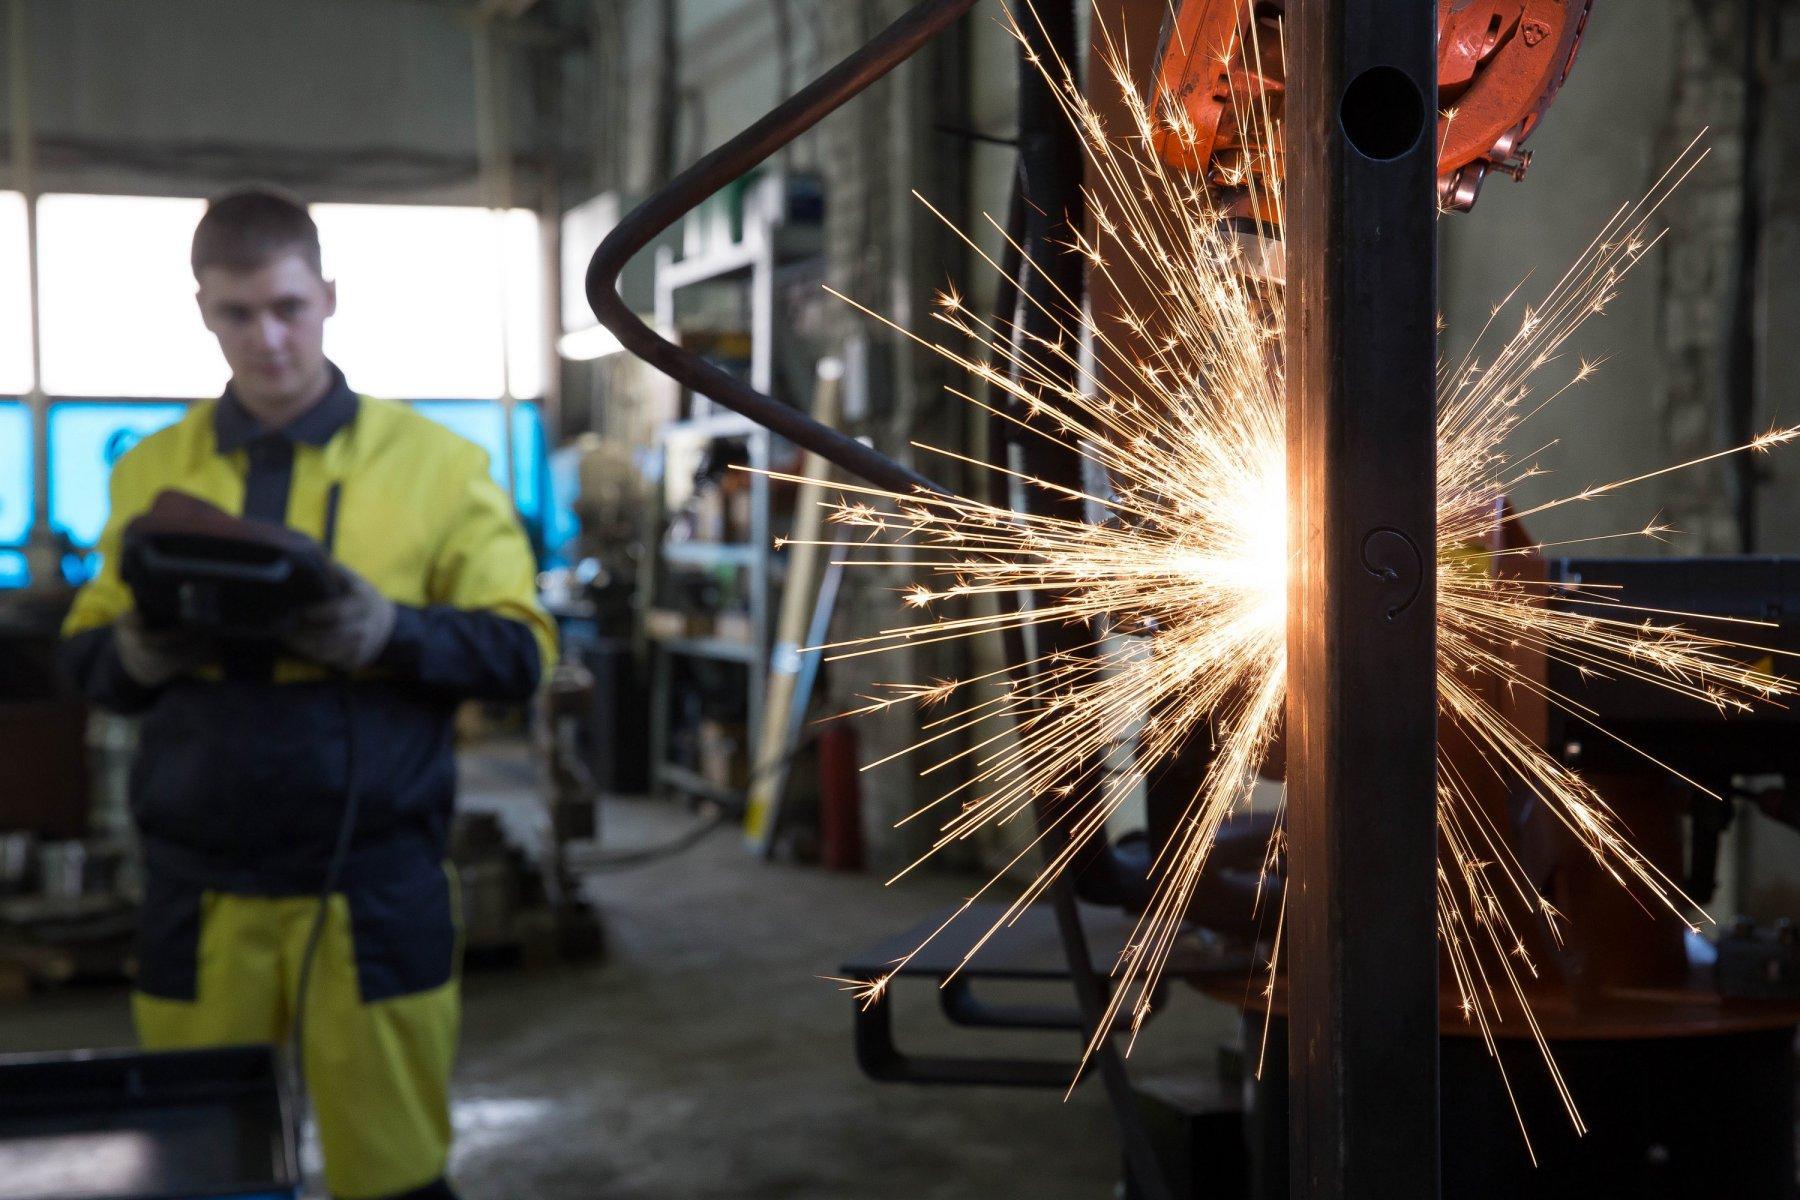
column 1175, row 569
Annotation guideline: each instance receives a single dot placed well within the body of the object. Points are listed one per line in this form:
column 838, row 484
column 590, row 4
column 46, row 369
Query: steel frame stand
column 1051, row 164
column 1361, row 751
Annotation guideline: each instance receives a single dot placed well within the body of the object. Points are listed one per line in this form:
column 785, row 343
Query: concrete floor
column 705, row 1058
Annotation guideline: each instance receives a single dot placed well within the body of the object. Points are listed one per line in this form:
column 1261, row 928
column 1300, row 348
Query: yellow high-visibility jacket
column 242, row 770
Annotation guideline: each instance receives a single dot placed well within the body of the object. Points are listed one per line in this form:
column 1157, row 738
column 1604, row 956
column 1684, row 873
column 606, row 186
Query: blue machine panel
column 483, row 422
column 531, row 464
column 86, row 439
column 560, row 522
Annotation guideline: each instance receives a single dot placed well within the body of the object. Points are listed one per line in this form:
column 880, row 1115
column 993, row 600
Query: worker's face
column 270, row 323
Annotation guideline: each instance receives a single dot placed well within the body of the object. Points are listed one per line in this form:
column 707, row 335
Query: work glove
column 153, row 657
column 346, row 632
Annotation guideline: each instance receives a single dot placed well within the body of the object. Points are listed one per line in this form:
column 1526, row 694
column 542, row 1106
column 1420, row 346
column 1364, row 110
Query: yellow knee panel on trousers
column 378, row 1074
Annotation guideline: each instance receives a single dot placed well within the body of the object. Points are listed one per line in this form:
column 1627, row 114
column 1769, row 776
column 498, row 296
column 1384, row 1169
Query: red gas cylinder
column 840, row 799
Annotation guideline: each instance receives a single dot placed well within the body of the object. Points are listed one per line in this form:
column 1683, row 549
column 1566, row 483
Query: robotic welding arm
column 1500, row 65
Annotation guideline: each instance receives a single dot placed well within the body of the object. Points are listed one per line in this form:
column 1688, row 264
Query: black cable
column 340, row 850
column 334, row 870
column 1740, row 357
column 687, row 840
column 641, row 225
column 692, row 836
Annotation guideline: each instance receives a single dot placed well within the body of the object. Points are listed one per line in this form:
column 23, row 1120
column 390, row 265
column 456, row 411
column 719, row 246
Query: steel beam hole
column 1383, row 113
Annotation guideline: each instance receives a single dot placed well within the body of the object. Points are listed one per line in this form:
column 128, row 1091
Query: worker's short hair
column 246, row 229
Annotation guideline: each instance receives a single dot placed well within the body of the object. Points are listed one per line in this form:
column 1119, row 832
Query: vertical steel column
column 23, row 165
column 1051, row 162
column 1361, row 310
column 1741, row 380
column 494, row 154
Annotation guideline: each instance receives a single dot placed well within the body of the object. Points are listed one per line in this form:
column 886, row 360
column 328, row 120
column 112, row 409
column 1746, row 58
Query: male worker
column 247, row 756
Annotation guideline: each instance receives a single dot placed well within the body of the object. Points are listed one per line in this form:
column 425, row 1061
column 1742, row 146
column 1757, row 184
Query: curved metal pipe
column 893, row 46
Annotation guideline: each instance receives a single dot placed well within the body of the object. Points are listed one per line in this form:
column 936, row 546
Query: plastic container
column 125, row 1125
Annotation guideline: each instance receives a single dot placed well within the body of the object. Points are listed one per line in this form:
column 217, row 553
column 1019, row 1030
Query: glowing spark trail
column 1178, row 567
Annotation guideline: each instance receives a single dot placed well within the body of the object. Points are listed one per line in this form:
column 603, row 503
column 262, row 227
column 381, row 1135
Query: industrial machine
column 1687, row 1078
column 1678, row 1053
column 1500, row 65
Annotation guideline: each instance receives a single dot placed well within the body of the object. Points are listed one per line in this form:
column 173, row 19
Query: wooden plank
column 1362, row 710
column 806, row 562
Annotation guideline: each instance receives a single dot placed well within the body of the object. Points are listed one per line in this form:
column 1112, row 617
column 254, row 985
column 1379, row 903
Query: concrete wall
column 733, row 60
column 1654, row 74
column 1600, row 146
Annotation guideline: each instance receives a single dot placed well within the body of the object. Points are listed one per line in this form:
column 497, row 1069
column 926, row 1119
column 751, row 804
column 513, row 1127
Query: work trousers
column 378, row 1071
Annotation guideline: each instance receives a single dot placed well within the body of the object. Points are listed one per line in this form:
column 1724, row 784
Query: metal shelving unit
column 768, row 242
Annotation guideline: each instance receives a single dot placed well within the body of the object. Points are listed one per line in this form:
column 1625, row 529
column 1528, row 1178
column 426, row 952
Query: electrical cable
column 340, row 850
column 691, row 837
column 334, row 870
column 686, row 840
column 1048, row 197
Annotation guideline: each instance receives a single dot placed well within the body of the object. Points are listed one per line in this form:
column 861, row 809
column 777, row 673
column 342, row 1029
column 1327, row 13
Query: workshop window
column 437, row 305
column 116, row 297
column 432, row 300
column 435, row 301
column 15, row 299
column 87, row 437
